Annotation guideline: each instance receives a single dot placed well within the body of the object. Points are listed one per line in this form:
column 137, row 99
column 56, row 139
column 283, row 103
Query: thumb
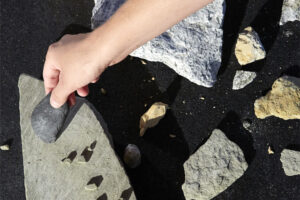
column 59, row 96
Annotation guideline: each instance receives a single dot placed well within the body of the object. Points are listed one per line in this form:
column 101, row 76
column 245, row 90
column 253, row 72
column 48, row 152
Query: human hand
column 71, row 64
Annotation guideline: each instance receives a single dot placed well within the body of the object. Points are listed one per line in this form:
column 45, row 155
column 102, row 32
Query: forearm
column 138, row 21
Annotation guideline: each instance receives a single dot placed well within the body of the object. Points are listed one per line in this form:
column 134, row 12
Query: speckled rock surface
column 290, row 11
column 242, row 79
column 290, row 162
column 47, row 121
column 248, row 47
column 192, row 47
column 282, row 101
column 213, row 167
column 51, row 171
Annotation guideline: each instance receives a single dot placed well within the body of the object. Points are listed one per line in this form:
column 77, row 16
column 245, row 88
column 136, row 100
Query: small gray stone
column 247, row 125
column 290, row 11
column 242, row 79
column 192, row 48
column 213, row 168
column 132, row 156
column 47, row 121
column 290, row 162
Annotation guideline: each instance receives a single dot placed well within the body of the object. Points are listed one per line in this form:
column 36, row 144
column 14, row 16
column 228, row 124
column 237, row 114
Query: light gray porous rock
column 213, row 167
column 290, row 160
column 290, row 11
column 46, row 172
column 192, row 47
column 242, row 79
column 47, row 121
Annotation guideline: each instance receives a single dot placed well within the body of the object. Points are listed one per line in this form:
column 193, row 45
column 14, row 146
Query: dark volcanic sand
column 28, row 28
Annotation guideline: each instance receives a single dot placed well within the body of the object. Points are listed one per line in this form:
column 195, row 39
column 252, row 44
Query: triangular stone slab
column 58, row 171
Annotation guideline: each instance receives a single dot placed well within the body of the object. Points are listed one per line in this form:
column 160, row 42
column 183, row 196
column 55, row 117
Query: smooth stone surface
column 192, row 47
column 242, row 79
column 132, row 156
column 290, row 162
column 282, row 101
column 248, row 47
column 47, row 121
column 46, row 176
column 290, row 11
column 213, row 167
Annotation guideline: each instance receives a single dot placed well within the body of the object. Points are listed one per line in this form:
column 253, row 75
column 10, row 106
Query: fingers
column 84, row 91
column 59, row 95
column 72, row 99
column 50, row 73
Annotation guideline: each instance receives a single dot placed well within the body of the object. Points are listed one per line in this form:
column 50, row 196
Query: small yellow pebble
column 4, row 147
column 143, row 62
column 270, row 151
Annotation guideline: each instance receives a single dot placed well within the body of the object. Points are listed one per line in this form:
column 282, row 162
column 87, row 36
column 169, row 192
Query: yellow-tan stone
column 282, row 101
column 249, row 47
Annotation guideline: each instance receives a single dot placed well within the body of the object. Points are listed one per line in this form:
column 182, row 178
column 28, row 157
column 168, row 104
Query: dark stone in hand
column 47, row 121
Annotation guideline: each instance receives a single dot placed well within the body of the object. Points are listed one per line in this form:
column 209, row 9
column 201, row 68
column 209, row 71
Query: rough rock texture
column 213, row 167
column 192, row 48
column 132, row 156
column 290, row 11
column 46, row 175
column 47, row 121
column 282, row 101
column 249, row 47
column 290, row 162
column 242, row 79
column 152, row 117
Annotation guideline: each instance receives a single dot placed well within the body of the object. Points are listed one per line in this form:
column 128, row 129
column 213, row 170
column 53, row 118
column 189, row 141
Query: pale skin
column 78, row 60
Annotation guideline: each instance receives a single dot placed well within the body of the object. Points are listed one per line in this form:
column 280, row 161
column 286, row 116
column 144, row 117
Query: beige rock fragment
column 270, row 151
column 103, row 91
column 151, row 118
column 249, row 47
column 282, row 101
column 4, row 147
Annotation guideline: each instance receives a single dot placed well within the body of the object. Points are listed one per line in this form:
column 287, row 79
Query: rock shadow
column 235, row 11
column 71, row 156
column 266, row 23
column 126, row 194
column 233, row 128
column 295, row 147
column 130, row 91
column 97, row 180
column 8, row 142
column 292, row 71
column 102, row 197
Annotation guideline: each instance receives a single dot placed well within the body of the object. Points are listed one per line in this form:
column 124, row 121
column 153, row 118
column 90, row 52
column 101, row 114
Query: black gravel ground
column 27, row 29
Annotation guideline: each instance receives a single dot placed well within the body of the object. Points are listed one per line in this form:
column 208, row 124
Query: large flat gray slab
column 47, row 171
column 192, row 48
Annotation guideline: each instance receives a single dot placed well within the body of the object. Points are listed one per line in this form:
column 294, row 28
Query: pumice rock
column 192, row 48
column 46, row 176
column 213, row 167
column 151, row 118
column 242, row 79
column 290, row 11
column 290, row 162
column 47, row 121
column 132, row 156
column 282, row 101
column 249, row 47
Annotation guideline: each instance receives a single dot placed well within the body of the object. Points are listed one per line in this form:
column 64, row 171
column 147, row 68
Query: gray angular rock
column 47, row 121
column 213, row 167
column 290, row 160
column 46, row 175
column 192, row 47
column 290, row 11
column 242, row 79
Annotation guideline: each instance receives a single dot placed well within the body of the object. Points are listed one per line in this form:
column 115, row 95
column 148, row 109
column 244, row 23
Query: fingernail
column 54, row 104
